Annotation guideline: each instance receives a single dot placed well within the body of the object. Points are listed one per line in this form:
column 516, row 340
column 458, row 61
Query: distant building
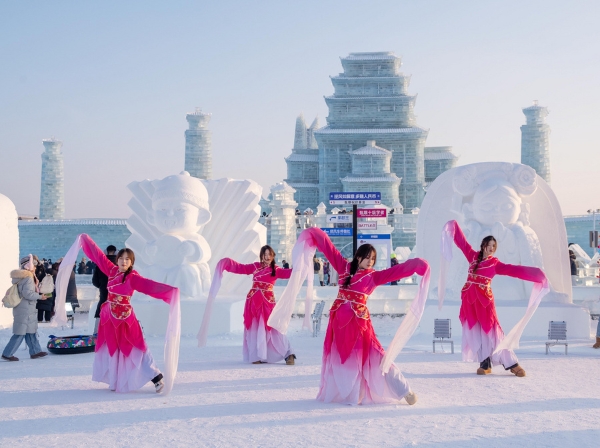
column 52, row 238
column 198, row 145
column 370, row 103
column 52, row 193
column 437, row 160
column 535, row 140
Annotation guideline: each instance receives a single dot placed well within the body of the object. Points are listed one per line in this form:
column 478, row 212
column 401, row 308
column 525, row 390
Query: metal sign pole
column 354, row 229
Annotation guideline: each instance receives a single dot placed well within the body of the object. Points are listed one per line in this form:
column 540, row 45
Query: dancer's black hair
column 484, row 244
column 131, row 256
column 362, row 252
column 263, row 249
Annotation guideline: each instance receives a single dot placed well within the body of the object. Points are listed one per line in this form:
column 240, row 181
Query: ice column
column 535, row 140
column 52, row 194
column 283, row 221
column 198, row 145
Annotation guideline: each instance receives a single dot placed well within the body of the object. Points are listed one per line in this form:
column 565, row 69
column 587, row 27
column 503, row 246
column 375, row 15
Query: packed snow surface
column 218, row 401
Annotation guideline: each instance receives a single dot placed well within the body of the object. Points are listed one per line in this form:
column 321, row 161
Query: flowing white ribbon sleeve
column 172, row 342
column 62, row 283
column 212, row 294
column 302, row 255
column 408, row 325
column 446, row 250
column 511, row 341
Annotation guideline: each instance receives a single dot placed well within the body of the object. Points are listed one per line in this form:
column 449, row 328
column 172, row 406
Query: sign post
column 355, row 199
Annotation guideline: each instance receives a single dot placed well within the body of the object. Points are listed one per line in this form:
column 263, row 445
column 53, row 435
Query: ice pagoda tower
column 283, row 221
column 535, row 140
column 371, row 102
column 371, row 172
column 303, row 164
column 52, row 194
column 198, row 145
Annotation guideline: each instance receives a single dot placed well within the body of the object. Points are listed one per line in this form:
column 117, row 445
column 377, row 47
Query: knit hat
column 27, row 262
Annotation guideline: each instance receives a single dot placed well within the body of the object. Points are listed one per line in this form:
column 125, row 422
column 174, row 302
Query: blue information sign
column 351, row 198
column 338, row 231
column 374, row 236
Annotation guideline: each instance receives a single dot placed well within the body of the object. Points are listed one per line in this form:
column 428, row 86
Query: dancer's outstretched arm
column 151, row 288
column 229, row 265
column 460, row 240
column 319, row 239
column 283, row 273
column 400, row 271
column 527, row 273
column 94, row 253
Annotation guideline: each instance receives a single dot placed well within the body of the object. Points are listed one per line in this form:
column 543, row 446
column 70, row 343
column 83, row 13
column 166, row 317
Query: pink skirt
column 358, row 378
column 263, row 343
column 123, row 373
column 477, row 345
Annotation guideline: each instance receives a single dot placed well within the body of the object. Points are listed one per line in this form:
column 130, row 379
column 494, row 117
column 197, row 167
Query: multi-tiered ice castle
column 371, row 141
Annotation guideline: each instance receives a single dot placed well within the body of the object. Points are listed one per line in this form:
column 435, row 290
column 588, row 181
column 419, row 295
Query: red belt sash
column 484, row 284
column 120, row 306
column 357, row 300
column 265, row 288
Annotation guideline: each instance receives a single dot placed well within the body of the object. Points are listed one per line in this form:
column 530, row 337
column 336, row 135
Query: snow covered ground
column 218, row 401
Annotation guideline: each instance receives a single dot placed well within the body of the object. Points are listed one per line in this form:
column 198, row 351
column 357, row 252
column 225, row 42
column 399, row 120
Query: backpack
column 12, row 298
column 47, row 285
column 317, row 267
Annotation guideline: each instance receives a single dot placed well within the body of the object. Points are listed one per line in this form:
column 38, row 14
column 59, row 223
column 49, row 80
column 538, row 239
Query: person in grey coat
column 25, row 322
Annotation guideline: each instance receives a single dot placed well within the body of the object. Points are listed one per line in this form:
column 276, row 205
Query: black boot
column 485, row 367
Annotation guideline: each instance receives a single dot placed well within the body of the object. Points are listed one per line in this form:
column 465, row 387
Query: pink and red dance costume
column 122, row 359
column 481, row 330
column 350, row 371
column 261, row 342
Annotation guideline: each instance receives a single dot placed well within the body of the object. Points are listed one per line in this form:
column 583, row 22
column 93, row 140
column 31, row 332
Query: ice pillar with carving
column 52, row 194
column 283, row 221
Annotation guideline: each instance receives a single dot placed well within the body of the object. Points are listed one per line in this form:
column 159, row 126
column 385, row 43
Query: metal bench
column 442, row 329
column 70, row 313
column 316, row 317
column 557, row 332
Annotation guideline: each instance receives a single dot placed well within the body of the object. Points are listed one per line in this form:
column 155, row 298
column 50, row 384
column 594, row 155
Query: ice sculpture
column 9, row 252
column 512, row 203
column 165, row 232
column 181, row 225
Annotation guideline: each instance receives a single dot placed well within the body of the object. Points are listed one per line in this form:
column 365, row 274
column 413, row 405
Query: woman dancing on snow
column 262, row 344
column 353, row 358
column 122, row 358
column 482, row 335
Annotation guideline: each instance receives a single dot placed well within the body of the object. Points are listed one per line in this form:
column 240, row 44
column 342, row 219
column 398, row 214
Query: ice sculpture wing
column 234, row 230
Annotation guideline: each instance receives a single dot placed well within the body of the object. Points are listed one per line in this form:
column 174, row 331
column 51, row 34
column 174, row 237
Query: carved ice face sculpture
column 179, row 205
column 496, row 201
column 175, row 217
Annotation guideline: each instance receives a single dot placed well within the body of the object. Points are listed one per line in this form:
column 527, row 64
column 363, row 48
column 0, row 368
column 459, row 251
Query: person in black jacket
column 100, row 281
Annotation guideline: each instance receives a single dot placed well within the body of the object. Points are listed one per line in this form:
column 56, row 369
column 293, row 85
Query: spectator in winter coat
column 574, row 270
column 46, row 307
column 72, row 291
column 81, row 267
column 100, row 281
column 25, row 314
column 89, row 267
column 285, row 264
column 394, row 262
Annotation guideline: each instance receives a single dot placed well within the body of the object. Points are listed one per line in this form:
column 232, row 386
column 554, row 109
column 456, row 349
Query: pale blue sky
column 114, row 80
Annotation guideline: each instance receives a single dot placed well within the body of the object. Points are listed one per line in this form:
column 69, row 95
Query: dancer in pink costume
column 262, row 344
column 122, row 358
column 482, row 336
column 355, row 367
